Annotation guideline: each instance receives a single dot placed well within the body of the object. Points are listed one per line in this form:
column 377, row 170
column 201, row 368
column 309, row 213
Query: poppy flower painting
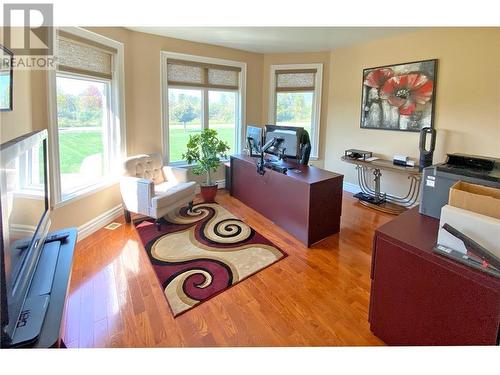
column 399, row 97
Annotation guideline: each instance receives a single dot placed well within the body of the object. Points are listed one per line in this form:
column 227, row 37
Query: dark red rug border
column 142, row 219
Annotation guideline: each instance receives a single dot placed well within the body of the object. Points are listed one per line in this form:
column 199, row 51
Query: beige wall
column 18, row 121
column 143, row 84
column 142, row 102
column 467, row 113
column 467, row 105
column 299, row 58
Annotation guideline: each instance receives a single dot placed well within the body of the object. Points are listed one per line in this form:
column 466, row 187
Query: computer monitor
column 292, row 137
column 254, row 139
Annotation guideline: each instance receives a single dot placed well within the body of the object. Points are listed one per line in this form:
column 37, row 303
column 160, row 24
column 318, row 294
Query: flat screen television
column 24, row 221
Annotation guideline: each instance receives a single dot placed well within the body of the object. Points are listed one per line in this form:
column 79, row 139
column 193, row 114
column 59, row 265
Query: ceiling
column 277, row 39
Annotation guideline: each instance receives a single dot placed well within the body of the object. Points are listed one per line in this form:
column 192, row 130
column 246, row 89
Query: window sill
column 85, row 192
column 183, row 164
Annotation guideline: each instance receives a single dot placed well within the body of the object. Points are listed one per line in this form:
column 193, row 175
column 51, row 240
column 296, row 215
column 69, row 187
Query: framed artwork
column 6, row 77
column 399, row 97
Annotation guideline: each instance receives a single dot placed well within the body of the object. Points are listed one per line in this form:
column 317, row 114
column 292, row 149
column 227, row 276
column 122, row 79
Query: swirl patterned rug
column 200, row 253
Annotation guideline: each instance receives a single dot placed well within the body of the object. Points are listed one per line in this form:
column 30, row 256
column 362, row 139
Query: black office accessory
column 426, row 155
column 357, row 154
column 35, row 265
column 437, row 179
column 477, row 256
column 275, row 167
column 374, row 199
column 272, row 146
column 473, row 247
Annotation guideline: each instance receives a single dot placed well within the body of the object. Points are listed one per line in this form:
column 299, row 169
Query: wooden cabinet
column 421, row 298
column 306, row 201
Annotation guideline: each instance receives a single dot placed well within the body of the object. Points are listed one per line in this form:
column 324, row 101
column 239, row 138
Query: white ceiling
column 277, row 39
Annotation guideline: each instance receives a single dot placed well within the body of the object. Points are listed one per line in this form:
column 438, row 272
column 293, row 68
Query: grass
column 76, row 146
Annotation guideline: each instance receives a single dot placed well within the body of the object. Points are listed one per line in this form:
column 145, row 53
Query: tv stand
column 39, row 325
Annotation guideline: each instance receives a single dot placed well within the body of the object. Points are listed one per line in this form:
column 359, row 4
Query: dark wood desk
column 307, row 204
column 421, row 298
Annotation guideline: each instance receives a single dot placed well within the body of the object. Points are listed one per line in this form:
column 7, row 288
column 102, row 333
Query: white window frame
column 240, row 104
column 316, row 111
column 118, row 131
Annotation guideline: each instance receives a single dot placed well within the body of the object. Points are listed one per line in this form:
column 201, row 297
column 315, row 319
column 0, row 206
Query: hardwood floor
column 314, row 297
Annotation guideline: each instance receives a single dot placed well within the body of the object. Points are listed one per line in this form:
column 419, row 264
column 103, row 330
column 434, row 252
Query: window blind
column 295, row 80
column 82, row 56
column 195, row 74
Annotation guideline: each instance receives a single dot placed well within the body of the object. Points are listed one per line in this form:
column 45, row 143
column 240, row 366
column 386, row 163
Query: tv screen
column 24, row 218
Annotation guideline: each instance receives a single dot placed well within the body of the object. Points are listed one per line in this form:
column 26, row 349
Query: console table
column 382, row 201
column 306, row 201
column 421, row 298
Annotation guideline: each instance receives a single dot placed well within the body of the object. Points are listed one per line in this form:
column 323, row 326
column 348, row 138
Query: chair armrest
column 137, row 194
column 175, row 174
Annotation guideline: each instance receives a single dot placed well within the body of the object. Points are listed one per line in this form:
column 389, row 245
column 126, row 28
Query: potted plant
column 206, row 149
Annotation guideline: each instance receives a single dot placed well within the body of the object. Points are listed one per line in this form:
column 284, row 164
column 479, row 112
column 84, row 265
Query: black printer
column 437, row 179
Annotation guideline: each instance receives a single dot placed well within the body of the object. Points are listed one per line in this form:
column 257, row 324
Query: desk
column 421, row 298
column 391, row 204
column 306, row 204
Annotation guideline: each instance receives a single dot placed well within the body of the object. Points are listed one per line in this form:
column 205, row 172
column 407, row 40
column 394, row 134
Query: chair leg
column 128, row 218
column 158, row 224
column 190, row 206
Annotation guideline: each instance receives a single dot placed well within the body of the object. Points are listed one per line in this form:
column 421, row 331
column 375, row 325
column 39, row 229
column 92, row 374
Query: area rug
column 202, row 252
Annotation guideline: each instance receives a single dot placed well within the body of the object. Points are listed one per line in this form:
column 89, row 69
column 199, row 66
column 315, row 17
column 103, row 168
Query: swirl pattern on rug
column 202, row 252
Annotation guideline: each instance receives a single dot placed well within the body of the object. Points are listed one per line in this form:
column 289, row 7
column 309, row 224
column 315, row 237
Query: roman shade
column 83, row 56
column 295, row 80
column 196, row 74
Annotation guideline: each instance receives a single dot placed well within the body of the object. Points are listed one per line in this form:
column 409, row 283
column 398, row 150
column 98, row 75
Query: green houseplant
column 206, row 149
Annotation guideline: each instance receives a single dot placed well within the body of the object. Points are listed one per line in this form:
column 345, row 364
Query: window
column 201, row 93
column 82, row 124
column 86, row 114
column 296, row 98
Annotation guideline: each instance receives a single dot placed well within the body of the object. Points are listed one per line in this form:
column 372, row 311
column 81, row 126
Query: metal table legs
column 387, row 202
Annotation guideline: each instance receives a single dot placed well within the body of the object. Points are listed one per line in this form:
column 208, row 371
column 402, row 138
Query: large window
column 83, row 126
column 296, row 98
column 200, row 93
column 87, row 113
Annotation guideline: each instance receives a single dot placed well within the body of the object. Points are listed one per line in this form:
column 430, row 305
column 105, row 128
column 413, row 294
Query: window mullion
column 205, row 109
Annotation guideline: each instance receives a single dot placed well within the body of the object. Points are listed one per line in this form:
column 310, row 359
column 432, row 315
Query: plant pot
column 208, row 193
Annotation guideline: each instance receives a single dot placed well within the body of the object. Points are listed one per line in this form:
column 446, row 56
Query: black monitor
column 295, row 145
column 254, row 139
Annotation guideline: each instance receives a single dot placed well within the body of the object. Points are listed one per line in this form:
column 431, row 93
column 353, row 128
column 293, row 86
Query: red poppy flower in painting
column 376, row 78
column 406, row 91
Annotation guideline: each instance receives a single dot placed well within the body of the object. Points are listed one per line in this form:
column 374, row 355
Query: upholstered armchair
column 153, row 190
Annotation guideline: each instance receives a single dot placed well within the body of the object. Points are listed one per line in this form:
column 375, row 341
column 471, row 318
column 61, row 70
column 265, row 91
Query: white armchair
column 151, row 189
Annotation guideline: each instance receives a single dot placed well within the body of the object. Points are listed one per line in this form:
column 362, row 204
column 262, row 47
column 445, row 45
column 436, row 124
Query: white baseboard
column 351, row 188
column 97, row 223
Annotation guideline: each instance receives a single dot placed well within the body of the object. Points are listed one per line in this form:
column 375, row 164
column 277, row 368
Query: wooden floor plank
column 314, row 297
